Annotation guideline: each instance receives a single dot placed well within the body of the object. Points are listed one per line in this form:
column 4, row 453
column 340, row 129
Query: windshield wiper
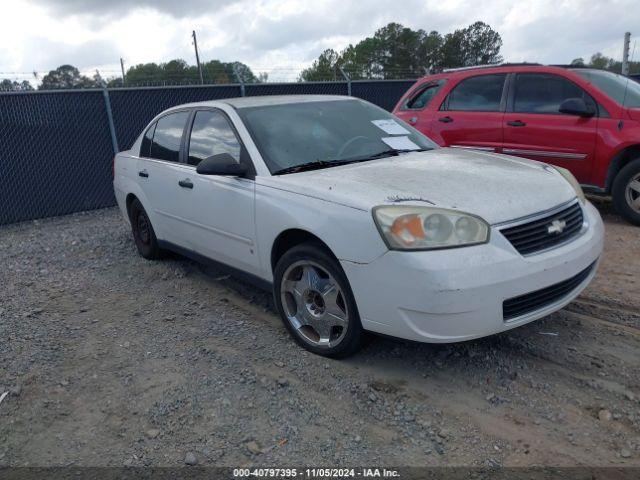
column 392, row 152
column 318, row 164
column 304, row 167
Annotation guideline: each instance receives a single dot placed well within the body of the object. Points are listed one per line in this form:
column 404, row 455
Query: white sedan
column 357, row 221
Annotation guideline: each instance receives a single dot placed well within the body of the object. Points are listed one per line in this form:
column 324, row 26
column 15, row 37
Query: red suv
column 585, row 120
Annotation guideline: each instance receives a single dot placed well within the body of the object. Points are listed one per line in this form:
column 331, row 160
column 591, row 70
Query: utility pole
column 347, row 79
column 122, row 68
column 625, row 53
column 195, row 44
column 99, row 80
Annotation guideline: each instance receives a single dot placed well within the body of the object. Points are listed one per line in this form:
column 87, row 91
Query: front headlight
column 426, row 228
column 568, row 176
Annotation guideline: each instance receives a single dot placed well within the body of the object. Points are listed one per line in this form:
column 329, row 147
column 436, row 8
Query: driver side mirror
column 221, row 164
column 576, row 106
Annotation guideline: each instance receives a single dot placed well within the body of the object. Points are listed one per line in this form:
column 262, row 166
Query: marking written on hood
column 398, row 198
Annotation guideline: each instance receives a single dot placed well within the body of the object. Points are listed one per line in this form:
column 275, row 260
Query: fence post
column 348, row 79
column 240, row 79
column 112, row 128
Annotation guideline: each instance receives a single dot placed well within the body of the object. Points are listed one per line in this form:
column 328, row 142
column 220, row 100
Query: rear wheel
column 315, row 302
column 626, row 192
column 143, row 233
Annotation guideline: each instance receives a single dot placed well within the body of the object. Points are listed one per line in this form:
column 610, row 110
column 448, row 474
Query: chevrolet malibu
column 358, row 222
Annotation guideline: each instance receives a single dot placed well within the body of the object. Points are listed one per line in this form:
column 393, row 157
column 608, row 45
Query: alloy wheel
column 632, row 193
column 314, row 304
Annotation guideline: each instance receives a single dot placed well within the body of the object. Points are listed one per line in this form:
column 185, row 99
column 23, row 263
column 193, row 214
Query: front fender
column 349, row 232
column 625, row 151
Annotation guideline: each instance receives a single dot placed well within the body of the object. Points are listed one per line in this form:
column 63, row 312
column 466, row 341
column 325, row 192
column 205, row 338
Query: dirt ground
column 110, row 359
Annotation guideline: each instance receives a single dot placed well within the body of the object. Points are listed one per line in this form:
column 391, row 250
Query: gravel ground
column 110, row 359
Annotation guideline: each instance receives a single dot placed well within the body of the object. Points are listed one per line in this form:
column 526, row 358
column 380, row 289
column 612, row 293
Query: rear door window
column 423, row 96
column 211, row 135
column 482, row 93
column 545, row 92
column 168, row 137
column 145, row 148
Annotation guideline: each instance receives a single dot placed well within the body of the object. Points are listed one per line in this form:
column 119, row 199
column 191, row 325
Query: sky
column 281, row 37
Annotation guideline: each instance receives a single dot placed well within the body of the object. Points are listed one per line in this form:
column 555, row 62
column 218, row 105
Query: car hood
column 495, row 187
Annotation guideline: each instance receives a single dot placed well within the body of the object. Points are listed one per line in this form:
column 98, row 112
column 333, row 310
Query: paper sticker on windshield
column 390, row 127
column 400, row 143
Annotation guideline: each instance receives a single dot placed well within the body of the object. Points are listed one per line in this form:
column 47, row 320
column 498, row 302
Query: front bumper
column 457, row 294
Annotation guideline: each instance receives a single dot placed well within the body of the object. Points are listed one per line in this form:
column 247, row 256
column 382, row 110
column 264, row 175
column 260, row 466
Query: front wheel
column 314, row 300
column 626, row 192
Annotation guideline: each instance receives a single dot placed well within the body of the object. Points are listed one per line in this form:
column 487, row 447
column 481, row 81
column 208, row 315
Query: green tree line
column 396, row 51
column 174, row 72
column 179, row 72
column 7, row 85
column 602, row 62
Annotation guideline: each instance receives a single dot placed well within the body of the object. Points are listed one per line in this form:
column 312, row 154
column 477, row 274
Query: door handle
column 143, row 174
column 446, row 119
column 186, row 183
column 413, row 120
column 516, row 123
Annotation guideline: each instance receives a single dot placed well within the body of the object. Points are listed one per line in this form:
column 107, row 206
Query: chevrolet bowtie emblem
column 556, row 227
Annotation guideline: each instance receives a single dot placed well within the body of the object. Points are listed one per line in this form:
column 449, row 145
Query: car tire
column 626, row 192
column 315, row 302
column 143, row 234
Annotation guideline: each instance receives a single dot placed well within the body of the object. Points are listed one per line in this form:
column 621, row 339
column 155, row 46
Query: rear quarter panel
column 125, row 183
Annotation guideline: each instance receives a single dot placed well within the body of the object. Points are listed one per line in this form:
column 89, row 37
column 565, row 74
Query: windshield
column 623, row 90
column 293, row 134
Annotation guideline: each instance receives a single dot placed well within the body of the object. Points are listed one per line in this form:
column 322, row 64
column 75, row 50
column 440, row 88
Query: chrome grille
column 546, row 232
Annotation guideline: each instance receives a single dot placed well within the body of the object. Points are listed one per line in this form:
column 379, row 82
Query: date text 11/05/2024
column 315, row 473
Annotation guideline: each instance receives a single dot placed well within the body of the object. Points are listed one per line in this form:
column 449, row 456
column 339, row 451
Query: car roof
column 502, row 68
column 267, row 100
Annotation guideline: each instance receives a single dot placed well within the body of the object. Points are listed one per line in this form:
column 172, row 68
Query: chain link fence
column 385, row 93
column 56, row 147
column 55, row 154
